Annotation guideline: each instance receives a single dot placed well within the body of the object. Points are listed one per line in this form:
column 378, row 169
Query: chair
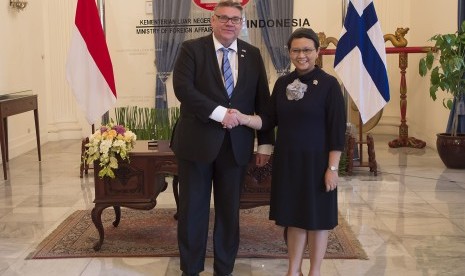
column 84, row 168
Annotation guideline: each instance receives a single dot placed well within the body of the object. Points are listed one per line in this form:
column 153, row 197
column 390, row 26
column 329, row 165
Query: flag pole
column 356, row 35
column 344, row 11
column 358, row 149
column 344, row 91
column 101, row 10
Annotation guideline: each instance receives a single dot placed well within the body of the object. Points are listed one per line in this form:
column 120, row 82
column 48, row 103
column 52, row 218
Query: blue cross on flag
column 360, row 60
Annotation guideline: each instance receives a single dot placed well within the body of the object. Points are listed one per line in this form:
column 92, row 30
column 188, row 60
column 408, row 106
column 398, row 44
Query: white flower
column 105, row 146
column 295, row 90
column 119, row 143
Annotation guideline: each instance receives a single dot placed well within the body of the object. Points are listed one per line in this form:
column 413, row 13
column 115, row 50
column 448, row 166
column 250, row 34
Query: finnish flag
column 360, row 60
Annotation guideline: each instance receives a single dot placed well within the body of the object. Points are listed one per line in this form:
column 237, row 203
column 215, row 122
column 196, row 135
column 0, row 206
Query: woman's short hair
column 304, row 33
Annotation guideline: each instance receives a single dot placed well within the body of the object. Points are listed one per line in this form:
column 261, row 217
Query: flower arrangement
column 106, row 144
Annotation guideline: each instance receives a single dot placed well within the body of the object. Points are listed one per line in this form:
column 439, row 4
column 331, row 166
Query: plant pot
column 451, row 149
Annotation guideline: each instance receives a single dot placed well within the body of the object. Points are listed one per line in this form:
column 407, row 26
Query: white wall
column 427, row 117
column 22, row 68
column 35, row 43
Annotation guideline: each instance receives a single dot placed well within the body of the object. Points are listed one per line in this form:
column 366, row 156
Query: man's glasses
column 225, row 19
column 306, row 51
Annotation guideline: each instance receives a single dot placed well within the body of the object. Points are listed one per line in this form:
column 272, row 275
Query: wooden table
column 138, row 183
column 12, row 105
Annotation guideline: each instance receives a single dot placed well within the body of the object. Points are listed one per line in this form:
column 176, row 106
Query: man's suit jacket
column 199, row 86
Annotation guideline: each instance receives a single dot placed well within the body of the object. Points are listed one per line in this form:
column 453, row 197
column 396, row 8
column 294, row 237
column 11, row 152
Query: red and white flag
column 89, row 69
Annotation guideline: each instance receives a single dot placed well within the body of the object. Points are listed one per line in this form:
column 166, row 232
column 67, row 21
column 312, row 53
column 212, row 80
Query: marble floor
column 410, row 218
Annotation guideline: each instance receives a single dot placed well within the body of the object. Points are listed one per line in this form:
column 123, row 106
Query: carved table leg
column 371, row 155
column 285, row 235
column 117, row 215
column 84, row 168
column 176, row 193
column 350, row 154
column 165, row 184
column 97, row 220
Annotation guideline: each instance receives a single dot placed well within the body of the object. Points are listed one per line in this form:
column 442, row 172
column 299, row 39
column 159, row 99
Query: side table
column 138, row 183
column 12, row 105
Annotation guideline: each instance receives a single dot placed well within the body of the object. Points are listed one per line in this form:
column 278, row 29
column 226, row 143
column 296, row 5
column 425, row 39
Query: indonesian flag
column 89, row 70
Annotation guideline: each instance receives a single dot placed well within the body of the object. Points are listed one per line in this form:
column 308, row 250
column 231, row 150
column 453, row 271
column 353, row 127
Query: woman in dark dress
column 308, row 109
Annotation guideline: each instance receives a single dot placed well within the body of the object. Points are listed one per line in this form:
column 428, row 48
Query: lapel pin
column 315, row 82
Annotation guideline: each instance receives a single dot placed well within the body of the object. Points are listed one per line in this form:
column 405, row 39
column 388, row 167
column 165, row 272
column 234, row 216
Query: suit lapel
column 213, row 62
column 242, row 63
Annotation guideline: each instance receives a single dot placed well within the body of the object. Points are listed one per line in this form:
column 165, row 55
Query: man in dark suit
column 211, row 147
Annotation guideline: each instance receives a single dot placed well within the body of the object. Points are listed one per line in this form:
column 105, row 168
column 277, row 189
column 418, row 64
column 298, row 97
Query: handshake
column 234, row 118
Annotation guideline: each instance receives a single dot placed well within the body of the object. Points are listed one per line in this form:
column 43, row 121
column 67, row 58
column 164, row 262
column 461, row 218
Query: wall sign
column 211, row 4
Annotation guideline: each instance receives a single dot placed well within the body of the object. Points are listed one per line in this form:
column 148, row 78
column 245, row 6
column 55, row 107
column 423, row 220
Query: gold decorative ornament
column 397, row 39
column 18, row 5
column 325, row 41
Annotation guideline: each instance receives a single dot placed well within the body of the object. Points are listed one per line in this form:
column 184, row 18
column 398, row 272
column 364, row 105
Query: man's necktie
column 227, row 72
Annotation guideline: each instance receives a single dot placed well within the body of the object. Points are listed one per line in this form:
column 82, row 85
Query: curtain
column 275, row 38
column 167, row 43
column 255, row 36
column 461, row 105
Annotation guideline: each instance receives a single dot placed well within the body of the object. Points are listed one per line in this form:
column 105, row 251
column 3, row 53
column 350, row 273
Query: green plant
column 148, row 123
column 343, row 163
column 164, row 123
column 448, row 74
column 141, row 120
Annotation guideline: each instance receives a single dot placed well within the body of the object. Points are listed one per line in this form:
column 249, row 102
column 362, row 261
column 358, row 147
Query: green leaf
column 435, row 76
column 102, row 172
column 422, row 67
column 432, row 91
column 110, row 173
column 448, row 103
column 429, row 60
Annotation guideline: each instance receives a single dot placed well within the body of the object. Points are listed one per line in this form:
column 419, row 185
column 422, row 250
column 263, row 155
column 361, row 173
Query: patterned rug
column 153, row 234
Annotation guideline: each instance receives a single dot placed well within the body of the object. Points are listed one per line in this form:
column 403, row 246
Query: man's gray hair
column 229, row 3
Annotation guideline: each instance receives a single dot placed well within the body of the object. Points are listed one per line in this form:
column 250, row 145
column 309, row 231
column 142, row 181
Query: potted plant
column 448, row 75
column 148, row 123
